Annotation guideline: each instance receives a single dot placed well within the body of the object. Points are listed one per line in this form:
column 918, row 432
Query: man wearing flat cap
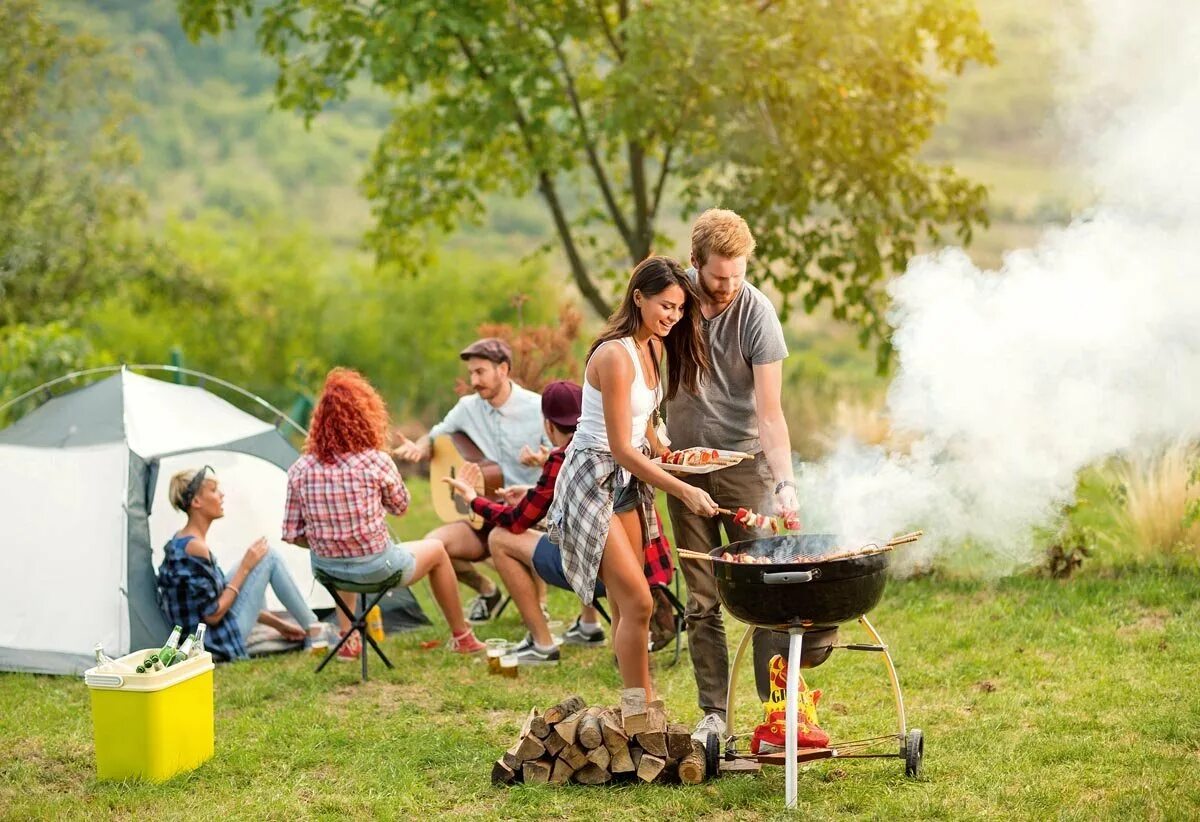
column 505, row 421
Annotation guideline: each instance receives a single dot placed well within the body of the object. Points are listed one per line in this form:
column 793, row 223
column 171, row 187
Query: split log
column 536, row 772
column 635, row 754
column 502, row 774
column 650, row 767
column 653, row 742
column 529, row 747
column 554, row 743
column 568, row 727
column 600, row 756
column 592, row 774
column 633, row 711
column 656, row 717
column 691, row 766
column 510, row 759
column 539, row 727
column 622, row 762
column 679, row 741
column 570, row 705
column 614, row 735
column 574, row 755
column 562, row 772
column 590, row 735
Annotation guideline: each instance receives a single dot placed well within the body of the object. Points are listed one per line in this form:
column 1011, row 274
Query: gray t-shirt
column 723, row 414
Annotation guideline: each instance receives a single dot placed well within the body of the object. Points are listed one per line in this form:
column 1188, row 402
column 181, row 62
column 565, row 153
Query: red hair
column 350, row 417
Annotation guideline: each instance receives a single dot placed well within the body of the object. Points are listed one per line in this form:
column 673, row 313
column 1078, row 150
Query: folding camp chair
column 358, row 618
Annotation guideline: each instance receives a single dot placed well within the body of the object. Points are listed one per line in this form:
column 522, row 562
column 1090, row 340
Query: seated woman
column 193, row 588
column 339, row 495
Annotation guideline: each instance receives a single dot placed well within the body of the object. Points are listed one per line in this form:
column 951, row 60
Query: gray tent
column 83, row 493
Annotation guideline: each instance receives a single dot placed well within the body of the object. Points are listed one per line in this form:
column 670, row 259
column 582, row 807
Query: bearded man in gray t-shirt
column 737, row 408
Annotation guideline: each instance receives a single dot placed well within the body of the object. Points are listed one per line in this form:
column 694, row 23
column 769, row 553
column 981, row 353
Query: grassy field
column 1038, row 698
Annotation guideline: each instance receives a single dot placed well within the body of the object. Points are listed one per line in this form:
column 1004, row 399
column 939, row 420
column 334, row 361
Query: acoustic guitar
column 449, row 453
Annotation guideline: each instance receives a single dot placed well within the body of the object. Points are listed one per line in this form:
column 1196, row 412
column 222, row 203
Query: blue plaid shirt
column 188, row 588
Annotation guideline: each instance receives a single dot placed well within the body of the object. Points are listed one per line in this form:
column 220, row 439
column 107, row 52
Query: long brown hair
column 686, row 347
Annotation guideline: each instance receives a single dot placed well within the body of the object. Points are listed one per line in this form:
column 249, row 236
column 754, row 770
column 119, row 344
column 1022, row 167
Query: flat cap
column 489, row 348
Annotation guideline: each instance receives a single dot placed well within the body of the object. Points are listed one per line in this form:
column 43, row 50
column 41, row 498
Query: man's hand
column 534, row 459
column 787, row 506
column 408, row 451
column 461, row 489
column 513, row 493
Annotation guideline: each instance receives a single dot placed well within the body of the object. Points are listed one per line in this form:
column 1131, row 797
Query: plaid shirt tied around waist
column 534, row 506
column 582, row 512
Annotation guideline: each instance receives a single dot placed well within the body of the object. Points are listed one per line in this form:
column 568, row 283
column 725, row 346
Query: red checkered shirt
column 531, row 509
column 341, row 507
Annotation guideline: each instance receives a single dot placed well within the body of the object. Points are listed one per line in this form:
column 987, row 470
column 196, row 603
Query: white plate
column 730, row 458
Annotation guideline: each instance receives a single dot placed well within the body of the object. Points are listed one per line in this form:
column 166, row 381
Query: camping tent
column 83, row 499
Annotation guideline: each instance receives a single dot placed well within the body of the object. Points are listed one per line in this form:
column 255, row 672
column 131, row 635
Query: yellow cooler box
column 155, row 725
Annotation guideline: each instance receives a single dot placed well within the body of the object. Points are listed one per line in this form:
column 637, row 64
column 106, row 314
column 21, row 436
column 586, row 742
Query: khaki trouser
column 748, row 485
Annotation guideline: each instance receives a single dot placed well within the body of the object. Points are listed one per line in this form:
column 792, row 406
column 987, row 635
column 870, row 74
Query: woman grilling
column 603, row 504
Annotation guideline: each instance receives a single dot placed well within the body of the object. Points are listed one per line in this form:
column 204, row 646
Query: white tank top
column 590, row 432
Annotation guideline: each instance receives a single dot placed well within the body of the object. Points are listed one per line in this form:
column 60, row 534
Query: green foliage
column 33, row 354
column 65, row 200
column 807, row 118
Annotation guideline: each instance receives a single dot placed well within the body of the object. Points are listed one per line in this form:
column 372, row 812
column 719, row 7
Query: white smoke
column 1086, row 346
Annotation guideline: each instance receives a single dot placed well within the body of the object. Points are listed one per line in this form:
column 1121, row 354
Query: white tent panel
column 243, row 478
column 163, row 418
column 63, row 557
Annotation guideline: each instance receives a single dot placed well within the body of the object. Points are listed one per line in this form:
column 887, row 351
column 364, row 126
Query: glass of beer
column 508, row 665
column 556, row 627
column 496, row 648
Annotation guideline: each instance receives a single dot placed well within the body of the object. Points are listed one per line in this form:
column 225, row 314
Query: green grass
column 1038, row 698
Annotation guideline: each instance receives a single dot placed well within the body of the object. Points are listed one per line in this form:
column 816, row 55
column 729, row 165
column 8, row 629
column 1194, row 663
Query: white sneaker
column 710, row 724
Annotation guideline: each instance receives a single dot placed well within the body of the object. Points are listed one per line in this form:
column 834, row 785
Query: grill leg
column 795, row 648
column 891, row 669
column 731, row 694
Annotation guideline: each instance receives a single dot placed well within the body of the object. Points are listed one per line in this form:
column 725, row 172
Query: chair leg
column 600, row 609
column 350, row 614
column 370, row 639
column 500, row 610
column 360, row 625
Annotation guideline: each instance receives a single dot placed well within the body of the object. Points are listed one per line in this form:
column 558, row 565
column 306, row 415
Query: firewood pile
column 572, row 742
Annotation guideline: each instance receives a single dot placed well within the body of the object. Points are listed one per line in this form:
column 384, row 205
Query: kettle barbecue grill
column 808, row 587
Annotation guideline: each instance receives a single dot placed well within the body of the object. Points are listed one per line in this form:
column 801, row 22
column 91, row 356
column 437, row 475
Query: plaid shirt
column 188, row 588
column 533, row 507
column 582, row 512
column 341, row 507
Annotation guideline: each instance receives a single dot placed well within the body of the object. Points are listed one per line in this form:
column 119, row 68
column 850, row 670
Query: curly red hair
column 350, row 417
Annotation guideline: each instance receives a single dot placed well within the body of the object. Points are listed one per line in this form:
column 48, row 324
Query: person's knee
column 638, row 606
column 496, row 542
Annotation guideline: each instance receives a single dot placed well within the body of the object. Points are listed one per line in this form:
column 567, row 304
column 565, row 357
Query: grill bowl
column 781, row 595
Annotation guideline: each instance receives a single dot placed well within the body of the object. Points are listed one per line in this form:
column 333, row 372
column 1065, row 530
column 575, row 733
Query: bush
column 1153, row 496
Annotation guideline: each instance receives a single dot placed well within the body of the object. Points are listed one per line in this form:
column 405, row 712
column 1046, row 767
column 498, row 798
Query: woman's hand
column 513, row 493
column 255, row 553
column 698, row 501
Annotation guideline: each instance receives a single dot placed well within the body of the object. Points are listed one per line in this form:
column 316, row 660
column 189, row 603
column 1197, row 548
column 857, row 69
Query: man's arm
column 773, row 431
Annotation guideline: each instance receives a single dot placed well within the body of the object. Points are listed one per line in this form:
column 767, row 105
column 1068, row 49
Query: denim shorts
column 547, row 563
column 371, row 568
column 627, row 497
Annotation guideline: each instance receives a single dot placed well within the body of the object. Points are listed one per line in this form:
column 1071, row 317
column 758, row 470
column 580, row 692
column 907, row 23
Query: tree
column 806, row 117
column 65, row 200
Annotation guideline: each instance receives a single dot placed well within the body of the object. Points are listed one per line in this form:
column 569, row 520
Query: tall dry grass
column 1154, row 492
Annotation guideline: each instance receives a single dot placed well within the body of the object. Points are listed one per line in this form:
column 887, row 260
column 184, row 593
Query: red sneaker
column 350, row 650
column 465, row 643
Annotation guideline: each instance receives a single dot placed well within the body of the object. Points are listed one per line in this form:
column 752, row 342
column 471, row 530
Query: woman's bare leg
column 621, row 570
column 432, row 560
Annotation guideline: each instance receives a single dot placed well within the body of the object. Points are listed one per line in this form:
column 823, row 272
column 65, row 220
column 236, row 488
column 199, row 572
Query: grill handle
column 786, row 577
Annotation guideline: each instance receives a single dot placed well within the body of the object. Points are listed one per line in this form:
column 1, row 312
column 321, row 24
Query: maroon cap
column 489, row 348
column 562, row 402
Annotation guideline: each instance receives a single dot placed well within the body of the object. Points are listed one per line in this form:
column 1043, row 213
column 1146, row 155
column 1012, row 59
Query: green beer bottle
column 185, row 651
column 168, row 651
